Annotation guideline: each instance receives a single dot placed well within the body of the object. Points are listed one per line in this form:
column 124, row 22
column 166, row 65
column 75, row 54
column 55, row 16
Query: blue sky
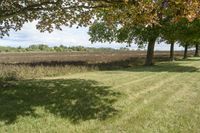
column 68, row 37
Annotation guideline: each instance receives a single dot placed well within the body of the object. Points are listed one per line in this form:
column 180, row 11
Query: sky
column 29, row 35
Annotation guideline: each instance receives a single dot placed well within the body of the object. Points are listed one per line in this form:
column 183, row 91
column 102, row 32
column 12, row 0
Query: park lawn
column 162, row 98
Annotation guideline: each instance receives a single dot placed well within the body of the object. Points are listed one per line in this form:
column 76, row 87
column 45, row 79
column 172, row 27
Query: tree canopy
column 52, row 14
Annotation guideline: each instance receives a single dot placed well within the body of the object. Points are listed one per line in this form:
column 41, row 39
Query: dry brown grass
column 16, row 66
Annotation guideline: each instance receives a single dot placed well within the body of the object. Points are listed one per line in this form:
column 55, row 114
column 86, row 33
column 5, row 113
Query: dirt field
column 77, row 56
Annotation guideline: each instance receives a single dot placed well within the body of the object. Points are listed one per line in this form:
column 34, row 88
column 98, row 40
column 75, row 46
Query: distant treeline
column 61, row 48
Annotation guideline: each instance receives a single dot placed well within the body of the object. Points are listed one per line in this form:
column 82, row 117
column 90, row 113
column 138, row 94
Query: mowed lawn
column 163, row 98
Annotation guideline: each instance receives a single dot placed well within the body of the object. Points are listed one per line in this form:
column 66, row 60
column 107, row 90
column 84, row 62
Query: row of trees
column 61, row 48
column 183, row 32
column 140, row 21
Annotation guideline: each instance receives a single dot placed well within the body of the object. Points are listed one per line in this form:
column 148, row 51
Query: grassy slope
column 164, row 98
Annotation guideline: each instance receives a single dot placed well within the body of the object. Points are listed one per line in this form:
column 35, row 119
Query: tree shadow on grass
column 190, row 59
column 74, row 99
column 165, row 67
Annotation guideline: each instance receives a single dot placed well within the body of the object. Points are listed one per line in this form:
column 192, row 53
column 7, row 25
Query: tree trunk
column 172, row 52
column 150, row 52
column 185, row 52
column 197, row 50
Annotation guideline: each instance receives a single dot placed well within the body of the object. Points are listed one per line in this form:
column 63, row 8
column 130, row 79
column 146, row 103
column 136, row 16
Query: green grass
column 163, row 98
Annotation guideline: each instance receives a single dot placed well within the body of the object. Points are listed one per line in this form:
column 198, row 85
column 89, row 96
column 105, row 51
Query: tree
column 196, row 50
column 188, row 34
column 185, row 51
column 168, row 35
column 127, row 34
